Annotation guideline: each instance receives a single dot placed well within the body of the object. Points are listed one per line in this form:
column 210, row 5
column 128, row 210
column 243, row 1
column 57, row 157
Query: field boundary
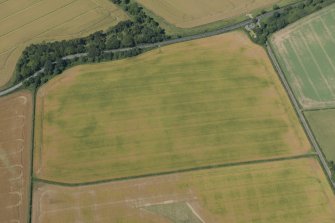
column 31, row 182
column 318, row 109
column 299, row 112
column 216, row 166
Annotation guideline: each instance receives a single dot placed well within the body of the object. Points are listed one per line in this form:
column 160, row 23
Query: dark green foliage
column 141, row 29
column 287, row 16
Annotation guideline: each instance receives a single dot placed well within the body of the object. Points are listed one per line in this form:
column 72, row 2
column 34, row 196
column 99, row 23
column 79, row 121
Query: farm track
column 176, row 171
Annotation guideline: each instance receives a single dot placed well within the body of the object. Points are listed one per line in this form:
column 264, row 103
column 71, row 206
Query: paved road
column 173, row 41
column 164, row 43
column 17, row 86
column 144, row 46
column 300, row 114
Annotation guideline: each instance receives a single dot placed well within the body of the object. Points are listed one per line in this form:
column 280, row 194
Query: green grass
column 306, row 52
column 209, row 101
column 323, row 125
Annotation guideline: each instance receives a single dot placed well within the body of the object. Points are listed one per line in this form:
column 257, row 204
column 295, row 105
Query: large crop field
column 209, row 101
column 23, row 22
column 306, row 51
column 15, row 155
column 192, row 13
column 286, row 191
column 322, row 123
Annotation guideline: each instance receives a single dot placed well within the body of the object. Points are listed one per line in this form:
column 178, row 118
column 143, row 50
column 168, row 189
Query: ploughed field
column 285, row 191
column 204, row 102
column 306, row 52
column 192, row 13
column 15, row 155
column 23, row 22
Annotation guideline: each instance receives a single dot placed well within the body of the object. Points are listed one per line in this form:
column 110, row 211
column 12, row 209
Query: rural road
column 17, row 86
column 300, row 113
column 164, row 43
column 146, row 46
column 172, row 41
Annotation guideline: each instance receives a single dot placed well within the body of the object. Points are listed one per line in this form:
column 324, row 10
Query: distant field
column 306, row 51
column 294, row 191
column 192, row 13
column 323, row 125
column 23, row 22
column 208, row 101
column 15, row 155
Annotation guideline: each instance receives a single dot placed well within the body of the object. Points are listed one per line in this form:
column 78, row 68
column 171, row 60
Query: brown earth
column 286, row 191
column 15, row 156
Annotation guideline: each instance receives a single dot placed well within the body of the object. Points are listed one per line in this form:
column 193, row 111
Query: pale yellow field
column 15, row 154
column 23, row 22
column 192, row 13
column 294, row 191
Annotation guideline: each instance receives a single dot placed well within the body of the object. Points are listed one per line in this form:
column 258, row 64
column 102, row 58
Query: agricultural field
column 306, row 52
column 23, row 22
column 181, row 106
column 285, row 191
column 193, row 13
column 15, row 156
column 322, row 123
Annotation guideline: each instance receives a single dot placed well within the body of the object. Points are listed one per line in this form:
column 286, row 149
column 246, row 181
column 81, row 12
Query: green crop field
column 23, row 22
column 294, row 191
column 209, row 101
column 306, row 52
column 322, row 123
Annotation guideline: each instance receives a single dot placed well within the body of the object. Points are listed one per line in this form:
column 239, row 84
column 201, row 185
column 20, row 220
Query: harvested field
column 322, row 123
column 23, row 22
column 15, row 155
column 285, row 191
column 192, row 13
column 306, row 51
column 210, row 101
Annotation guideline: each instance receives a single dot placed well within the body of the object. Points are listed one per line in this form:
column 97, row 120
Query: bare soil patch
column 15, row 156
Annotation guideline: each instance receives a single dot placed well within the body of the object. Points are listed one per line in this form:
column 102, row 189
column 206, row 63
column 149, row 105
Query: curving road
column 145, row 46
column 17, row 86
column 164, row 43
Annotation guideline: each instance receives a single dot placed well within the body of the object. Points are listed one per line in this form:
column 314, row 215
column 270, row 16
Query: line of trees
column 53, row 69
column 287, row 16
column 140, row 29
column 332, row 169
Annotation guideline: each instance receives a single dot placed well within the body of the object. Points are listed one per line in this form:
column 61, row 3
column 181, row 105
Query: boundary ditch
column 208, row 167
column 300, row 114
